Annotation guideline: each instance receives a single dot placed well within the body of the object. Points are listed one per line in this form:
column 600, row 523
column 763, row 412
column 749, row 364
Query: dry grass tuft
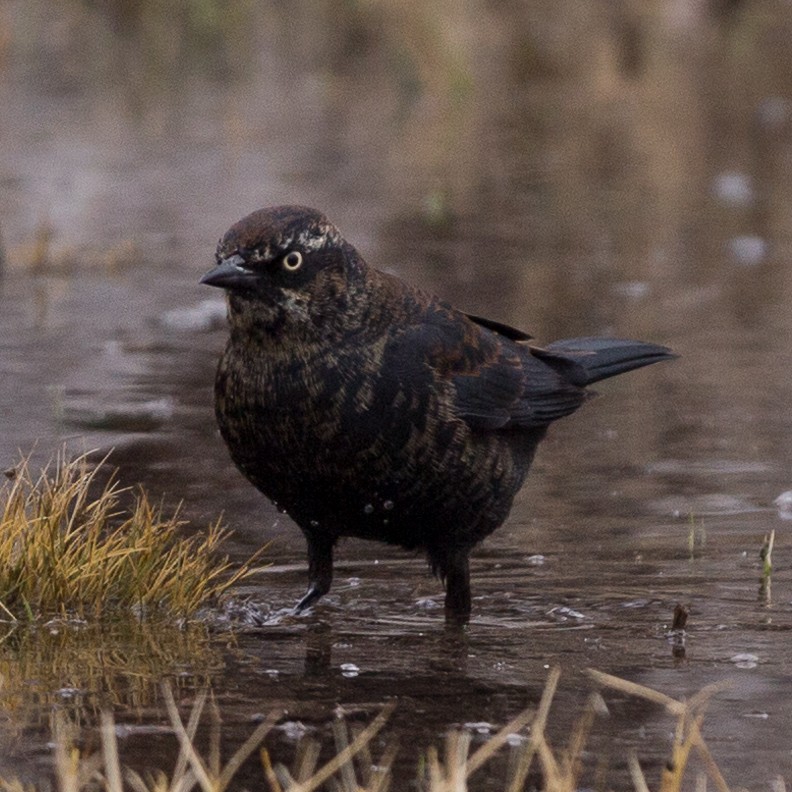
column 68, row 548
column 352, row 769
column 687, row 738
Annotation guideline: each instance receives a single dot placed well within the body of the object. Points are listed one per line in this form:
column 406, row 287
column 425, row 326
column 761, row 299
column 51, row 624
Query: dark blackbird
column 362, row 406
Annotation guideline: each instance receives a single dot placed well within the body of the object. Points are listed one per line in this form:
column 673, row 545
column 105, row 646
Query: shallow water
column 567, row 171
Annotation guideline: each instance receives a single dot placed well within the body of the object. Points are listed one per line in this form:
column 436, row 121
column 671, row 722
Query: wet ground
column 569, row 171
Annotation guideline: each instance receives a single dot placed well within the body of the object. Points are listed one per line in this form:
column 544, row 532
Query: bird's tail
column 587, row 360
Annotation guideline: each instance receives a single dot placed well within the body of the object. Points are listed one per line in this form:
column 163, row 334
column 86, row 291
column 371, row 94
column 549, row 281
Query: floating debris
column 748, row 250
column 745, row 660
column 349, row 670
column 784, row 505
column 734, row 188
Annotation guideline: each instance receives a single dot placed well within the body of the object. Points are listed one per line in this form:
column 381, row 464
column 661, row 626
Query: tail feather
column 588, row 360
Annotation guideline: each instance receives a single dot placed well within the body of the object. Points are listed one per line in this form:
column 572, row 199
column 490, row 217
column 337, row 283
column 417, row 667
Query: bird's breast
column 349, row 439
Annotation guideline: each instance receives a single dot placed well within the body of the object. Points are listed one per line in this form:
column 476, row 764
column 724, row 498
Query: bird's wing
column 512, row 388
column 495, row 382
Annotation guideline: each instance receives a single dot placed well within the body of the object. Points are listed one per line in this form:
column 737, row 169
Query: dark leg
column 320, row 571
column 457, row 599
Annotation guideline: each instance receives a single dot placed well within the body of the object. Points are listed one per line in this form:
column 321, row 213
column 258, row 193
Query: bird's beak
column 230, row 273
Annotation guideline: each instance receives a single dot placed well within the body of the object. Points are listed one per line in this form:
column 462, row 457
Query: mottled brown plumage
column 364, row 407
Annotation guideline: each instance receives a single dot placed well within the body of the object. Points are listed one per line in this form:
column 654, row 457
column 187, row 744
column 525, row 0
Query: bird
column 362, row 406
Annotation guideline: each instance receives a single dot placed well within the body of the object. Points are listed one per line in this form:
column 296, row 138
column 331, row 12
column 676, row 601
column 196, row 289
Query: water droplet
column 748, row 249
column 733, row 188
column 745, row 660
column 633, row 289
column 293, row 730
column 349, row 670
column 388, row 505
column 480, row 727
column 563, row 613
column 784, row 505
column 774, row 111
column 314, row 523
column 535, row 560
column 368, row 508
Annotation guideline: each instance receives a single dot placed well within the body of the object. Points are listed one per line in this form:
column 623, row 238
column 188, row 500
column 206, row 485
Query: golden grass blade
column 137, row 784
column 182, row 760
column 306, row 759
column 213, row 759
column 14, row 785
column 347, row 769
column 572, row 763
column 674, row 770
column 334, row 764
column 495, row 743
column 636, row 774
column 364, row 763
column 709, row 763
column 381, row 775
column 246, row 749
column 536, row 740
column 699, row 700
column 437, row 781
column 554, row 778
column 380, row 783
column 185, row 783
column 112, row 762
column 285, row 777
column 67, row 759
column 72, row 771
column 457, row 747
column 187, row 748
column 634, row 689
column 269, row 773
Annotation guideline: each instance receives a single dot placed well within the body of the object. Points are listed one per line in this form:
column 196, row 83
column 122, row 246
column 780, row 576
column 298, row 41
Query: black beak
column 230, row 273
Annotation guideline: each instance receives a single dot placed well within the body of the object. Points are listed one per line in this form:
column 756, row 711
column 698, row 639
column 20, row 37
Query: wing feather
column 496, row 380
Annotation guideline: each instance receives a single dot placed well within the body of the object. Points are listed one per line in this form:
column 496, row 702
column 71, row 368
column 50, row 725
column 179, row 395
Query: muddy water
column 566, row 170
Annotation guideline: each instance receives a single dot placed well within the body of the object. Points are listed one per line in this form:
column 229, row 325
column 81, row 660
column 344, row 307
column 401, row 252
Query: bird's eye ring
column 293, row 261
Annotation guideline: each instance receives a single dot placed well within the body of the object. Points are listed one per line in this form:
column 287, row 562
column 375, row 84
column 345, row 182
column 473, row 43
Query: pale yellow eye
column 293, row 261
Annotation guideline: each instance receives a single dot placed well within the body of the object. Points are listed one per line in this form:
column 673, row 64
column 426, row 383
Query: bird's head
column 283, row 264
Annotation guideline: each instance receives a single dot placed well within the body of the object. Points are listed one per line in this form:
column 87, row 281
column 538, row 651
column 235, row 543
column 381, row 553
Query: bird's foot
column 314, row 593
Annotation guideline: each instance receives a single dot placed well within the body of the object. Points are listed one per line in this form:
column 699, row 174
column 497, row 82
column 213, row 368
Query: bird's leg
column 457, row 577
column 320, row 571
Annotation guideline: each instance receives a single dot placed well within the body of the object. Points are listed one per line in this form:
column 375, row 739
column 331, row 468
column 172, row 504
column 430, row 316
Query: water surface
column 568, row 170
